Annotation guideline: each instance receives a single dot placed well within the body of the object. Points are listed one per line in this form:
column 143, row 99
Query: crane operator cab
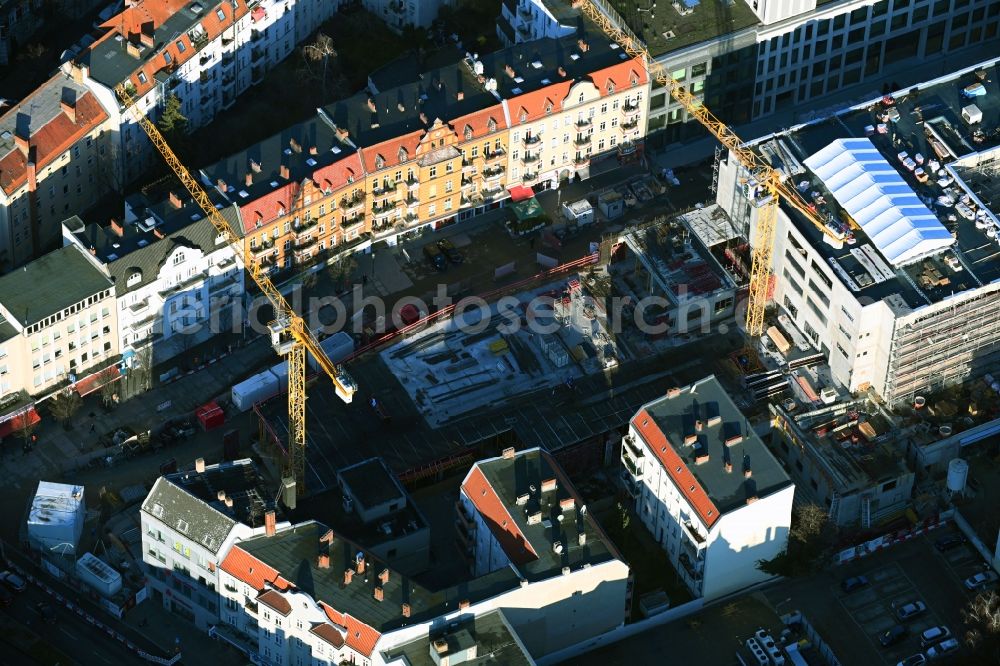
column 281, row 338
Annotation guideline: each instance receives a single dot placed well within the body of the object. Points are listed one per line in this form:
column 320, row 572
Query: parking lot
column 852, row 622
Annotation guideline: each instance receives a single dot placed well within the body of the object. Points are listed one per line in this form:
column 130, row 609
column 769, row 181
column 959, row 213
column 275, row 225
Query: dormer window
column 402, row 155
column 468, row 133
column 133, row 279
column 492, row 125
column 524, row 116
column 221, row 14
column 142, row 77
column 379, row 162
column 611, row 86
column 548, row 107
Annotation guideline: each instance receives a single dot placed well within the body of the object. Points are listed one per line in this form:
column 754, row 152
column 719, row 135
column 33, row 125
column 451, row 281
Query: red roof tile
column 389, row 150
column 477, row 487
column 621, row 74
column 337, row 175
column 479, row 122
column 275, row 600
column 360, row 636
column 50, row 140
column 329, row 634
column 532, row 105
column 247, row 568
column 266, row 208
column 678, row 471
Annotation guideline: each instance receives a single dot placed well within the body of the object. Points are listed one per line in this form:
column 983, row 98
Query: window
column 181, row 48
column 178, row 259
column 221, row 14
column 433, row 172
column 142, row 77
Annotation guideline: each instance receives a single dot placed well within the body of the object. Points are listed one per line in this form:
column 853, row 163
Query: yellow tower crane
column 289, row 334
column 768, row 178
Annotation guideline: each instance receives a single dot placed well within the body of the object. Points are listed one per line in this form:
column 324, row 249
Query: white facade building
column 359, row 608
column 907, row 304
column 177, row 278
column 206, row 53
column 707, row 488
column 527, row 20
column 399, row 14
column 189, row 520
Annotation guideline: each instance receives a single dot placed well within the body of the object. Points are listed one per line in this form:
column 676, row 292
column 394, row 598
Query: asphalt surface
column 67, row 633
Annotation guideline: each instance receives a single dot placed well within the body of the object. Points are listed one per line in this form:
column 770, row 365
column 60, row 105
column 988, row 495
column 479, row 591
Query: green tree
column 172, row 122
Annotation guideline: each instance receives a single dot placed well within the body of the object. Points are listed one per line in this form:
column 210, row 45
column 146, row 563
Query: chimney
column 313, row 150
column 423, row 117
column 562, row 71
column 283, row 172
column 734, row 440
column 221, row 184
column 713, row 421
column 294, row 145
column 270, row 526
column 93, row 250
column 32, row 176
column 199, row 464
column 371, row 105
column 729, row 468
column 327, row 538
column 567, row 504
column 747, row 473
column 751, row 499
column 132, row 49
column 673, row 392
column 690, row 439
column 460, row 95
column 342, row 134
column 175, row 200
column 548, row 484
column 248, row 179
column 384, row 576
column 78, row 72
column 348, row 576
column 229, row 502
column 582, row 45
column 535, row 518
column 255, row 166
column 323, row 561
column 698, row 425
column 69, row 108
column 158, row 233
column 582, row 539
column 509, row 70
column 400, row 107
column 463, row 604
column 508, row 453
column 361, row 564
column 22, row 142
column 146, row 34
column 701, row 459
column 118, row 230
column 379, row 594
column 406, row 610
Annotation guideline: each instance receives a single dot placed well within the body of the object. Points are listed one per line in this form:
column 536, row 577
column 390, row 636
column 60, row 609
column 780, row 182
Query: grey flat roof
column 371, row 483
column 704, row 400
column 665, row 29
column 49, row 284
column 523, row 475
column 497, row 644
column 936, row 106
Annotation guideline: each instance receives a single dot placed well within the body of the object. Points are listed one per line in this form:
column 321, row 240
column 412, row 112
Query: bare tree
column 107, row 379
column 320, row 50
column 25, row 427
column 65, row 405
column 982, row 617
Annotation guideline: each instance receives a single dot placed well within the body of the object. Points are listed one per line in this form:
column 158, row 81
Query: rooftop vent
column 537, row 64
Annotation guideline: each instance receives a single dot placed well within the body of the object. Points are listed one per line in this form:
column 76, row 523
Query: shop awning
column 18, row 421
column 520, row 193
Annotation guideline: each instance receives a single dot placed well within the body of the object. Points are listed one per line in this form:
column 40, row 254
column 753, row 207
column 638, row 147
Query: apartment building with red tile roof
column 52, row 146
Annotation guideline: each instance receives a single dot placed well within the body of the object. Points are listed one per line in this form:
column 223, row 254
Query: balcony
column 411, row 199
column 695, row 537
column 306, row 243
column 531, row 139
column 250, row 607
column 258, row 52
column 631, row 464
column 412, row 182
column 138, row 308
column 410, row 218
column 467, row 183
column 630, row 109
column 198, row 38
column 473, row 199
column 583, row 123
column 631, row 486
column 626, row 148
column 529, row 158
column 581, row 160
column 493, row 172
column 468, row 166
column 495, row 156
column 383, row 208
column 193, row 283
column 692, row 569
column 581, row 140
column 228, row 80
column 347, row 223
column 256, row 36
column 629, row 125
column 464, row 518
column 384, row 189
column 304, row 226
column 352, row 204
column 259, row 250
column 204, row 77
column 529, row 176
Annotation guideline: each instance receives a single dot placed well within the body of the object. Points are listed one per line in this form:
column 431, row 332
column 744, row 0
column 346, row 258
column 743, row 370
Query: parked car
column 943, row 649
column 46, row 612
column 450, row 251
column 910, row 610
column 949, row 542
column 934, row 635
column 435, row 257
column 853, row 583
column 893, row 635
column 981, row 580
column 914, row 660
column 13, row 581
column 6, row 596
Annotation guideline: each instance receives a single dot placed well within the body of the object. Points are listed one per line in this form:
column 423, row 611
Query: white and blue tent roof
column 890, row 213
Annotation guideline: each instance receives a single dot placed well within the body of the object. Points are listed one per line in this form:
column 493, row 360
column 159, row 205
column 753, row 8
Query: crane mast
column 290, row 335
column 767, row 177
